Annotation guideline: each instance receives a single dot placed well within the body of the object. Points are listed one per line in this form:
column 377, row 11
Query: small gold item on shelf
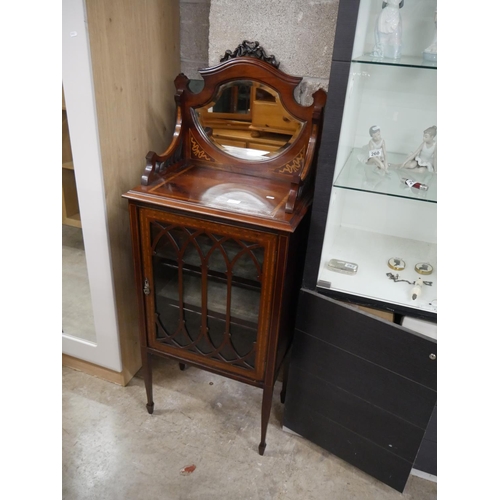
column 396, row 263
column 424, row 268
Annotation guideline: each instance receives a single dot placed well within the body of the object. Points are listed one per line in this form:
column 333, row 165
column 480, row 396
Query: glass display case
column 381, row 231
column 361, row 384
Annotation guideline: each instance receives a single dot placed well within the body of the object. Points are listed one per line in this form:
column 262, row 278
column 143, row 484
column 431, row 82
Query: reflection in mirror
column 247, row 120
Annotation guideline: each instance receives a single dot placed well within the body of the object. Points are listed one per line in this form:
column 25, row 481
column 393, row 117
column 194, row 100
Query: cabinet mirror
column 247, row 119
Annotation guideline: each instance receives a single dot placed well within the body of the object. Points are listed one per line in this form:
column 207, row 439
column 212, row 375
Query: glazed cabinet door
column 207, row 290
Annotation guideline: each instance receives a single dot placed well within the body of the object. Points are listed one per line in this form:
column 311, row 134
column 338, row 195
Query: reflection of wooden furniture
column 268, row 115
column 265, row 125
column 218, row 241
column 70, row 210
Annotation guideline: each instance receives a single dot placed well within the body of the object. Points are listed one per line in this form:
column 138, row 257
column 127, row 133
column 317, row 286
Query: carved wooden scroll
column 250, row 49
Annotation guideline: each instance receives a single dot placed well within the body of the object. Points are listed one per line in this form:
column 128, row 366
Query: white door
column 90, row 335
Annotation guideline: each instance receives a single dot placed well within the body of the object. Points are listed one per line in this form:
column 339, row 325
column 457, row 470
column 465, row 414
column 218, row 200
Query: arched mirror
column 247, row 120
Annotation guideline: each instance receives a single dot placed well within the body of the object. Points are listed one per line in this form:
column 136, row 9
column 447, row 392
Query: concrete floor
column 113, row 449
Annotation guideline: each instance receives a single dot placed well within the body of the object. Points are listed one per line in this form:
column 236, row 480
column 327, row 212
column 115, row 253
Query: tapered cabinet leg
column 148, row 379
column 267, row 400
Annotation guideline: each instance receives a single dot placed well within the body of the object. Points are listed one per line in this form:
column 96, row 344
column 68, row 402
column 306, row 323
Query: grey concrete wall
column 299, row 33
column 194, row 29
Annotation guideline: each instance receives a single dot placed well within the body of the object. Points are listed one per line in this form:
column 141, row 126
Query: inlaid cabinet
column 219, row 225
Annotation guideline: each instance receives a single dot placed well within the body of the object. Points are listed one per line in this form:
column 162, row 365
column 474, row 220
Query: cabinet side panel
column 290, row 293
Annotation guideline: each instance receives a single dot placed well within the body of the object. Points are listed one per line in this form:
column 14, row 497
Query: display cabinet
column 219, row 223
column 373, row 243
column 380, row 237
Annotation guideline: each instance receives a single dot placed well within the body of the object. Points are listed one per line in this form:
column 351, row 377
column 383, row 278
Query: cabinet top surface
column 200, row 189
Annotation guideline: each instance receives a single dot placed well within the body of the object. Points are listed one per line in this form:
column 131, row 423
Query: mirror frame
column 190, row 144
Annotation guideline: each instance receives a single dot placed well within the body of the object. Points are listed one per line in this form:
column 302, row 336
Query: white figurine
column 430, row 53
column 388, row 30
column 424, row 159
column 375, row 153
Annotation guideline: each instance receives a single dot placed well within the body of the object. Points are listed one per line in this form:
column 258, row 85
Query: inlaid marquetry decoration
column 208, row 290
column 197, row 151
column 292, row 167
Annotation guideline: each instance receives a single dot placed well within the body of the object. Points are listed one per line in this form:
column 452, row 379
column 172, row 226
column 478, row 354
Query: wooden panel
column 388, row 345
column 121, row 378
column 135, row 58
column 70, row 208
column 373, row 383
column 66, row 143
column 388, row 316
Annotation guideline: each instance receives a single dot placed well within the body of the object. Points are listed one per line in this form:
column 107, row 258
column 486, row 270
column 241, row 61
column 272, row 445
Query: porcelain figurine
column 388, row 30
column 430, row 53
column 374, row 153
column 424, row 158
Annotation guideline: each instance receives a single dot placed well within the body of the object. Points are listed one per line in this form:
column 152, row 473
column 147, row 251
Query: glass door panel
column 207, row 291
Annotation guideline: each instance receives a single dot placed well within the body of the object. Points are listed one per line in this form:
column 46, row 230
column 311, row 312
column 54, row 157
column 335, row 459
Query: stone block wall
column 299, row 33
column 194, row 29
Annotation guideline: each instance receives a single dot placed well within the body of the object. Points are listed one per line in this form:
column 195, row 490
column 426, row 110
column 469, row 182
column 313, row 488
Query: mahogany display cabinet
column 361, row 385
column 219, row 223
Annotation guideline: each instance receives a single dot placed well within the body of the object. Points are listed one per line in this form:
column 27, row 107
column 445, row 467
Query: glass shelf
column 404, row 61
column 358, row 176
